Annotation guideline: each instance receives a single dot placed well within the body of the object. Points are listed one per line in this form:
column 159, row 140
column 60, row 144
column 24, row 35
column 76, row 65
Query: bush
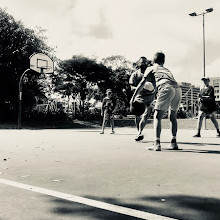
column 91, row 114
column 181, row 114
column 49, row 116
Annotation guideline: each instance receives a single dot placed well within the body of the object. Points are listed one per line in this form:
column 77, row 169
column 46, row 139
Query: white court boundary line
column 89, row 202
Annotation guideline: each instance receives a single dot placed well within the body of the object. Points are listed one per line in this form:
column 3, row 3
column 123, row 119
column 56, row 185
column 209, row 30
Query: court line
column 89, row 202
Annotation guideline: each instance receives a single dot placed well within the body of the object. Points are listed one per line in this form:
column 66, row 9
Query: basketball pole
column 20, row 98
column 36, row 64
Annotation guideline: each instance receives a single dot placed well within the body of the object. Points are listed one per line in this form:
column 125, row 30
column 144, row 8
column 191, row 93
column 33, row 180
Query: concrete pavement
column 112, row 169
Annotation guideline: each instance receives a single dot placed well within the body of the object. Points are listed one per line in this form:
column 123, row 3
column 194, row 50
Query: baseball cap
column 205, row 78
column 108, row 91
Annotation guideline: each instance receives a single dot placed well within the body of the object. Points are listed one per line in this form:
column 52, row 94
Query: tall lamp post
column 194, row 14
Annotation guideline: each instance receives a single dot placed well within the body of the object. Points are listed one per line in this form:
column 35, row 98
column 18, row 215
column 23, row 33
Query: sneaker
column 139, row 137
column 197, row 135
column 218, row 135
column 112, row 132
column 155, row 147
column 102, row 132
column 174, row 145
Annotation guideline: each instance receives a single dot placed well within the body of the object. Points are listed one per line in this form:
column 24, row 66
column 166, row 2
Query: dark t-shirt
column 145, row 95
column 207, row 102
column 108, row 104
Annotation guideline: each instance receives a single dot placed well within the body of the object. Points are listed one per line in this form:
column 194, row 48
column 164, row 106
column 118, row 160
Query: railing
column 45, row 108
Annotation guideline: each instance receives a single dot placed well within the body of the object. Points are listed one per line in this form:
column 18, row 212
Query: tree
column 83, row 76
column 90, row 79
column 16, row 45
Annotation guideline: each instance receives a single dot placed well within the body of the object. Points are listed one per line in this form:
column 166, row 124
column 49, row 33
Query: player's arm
column 133, row 88
column 102, row 107
column 199, row 96
column 209, row 96
column 132, row 82
column 114, row 105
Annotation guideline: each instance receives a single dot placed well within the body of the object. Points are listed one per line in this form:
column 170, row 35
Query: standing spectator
column 168, row 97
column 141, row 106
column 207, row 106
column 107, row 108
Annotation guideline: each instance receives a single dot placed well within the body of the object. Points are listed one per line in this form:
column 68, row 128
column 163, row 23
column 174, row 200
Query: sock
column 173, row 139
column 218, row 130
column 157, row 140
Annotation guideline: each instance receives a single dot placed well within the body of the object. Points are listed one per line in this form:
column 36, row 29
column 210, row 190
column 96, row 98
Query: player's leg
column 144, row 117
column 111, row 119
column 138, row 109
column 174, row 106
column 104, row 123
column 164, row 97
column 215, row 122
column 173, row 122
column 158, row 115
column 201, row 116
column 137, row 121
column 143, row 122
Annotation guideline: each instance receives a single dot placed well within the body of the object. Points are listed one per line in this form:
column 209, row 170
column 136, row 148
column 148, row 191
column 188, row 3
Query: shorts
column 168, row 98
column 140, row 109
column 108, row 115
column 209, row 114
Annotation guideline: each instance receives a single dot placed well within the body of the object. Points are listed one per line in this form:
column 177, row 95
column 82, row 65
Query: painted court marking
column 89, row 202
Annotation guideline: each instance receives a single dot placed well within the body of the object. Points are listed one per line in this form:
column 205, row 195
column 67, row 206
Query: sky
column 131, row 28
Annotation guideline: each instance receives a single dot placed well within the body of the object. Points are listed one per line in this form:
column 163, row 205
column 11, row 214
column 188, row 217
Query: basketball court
column 80, row 174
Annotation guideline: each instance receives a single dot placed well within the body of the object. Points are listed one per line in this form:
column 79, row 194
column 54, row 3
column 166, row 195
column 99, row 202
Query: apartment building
column 215, row 82
column 189, row 97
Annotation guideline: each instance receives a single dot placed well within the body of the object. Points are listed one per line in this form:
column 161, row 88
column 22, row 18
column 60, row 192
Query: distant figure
column 207, row 106
column 107, row 108
column 141, row 106
column 168, row 97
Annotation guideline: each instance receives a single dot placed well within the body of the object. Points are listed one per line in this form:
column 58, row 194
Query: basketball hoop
column 41, row 63
column 45, row 69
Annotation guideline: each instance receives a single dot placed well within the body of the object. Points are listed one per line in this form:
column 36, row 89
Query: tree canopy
column 79, row 76
column 89, row 78
column 17, row 44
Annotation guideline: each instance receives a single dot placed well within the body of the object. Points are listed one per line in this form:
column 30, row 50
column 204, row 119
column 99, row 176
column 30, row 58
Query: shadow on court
column 177, row 206
column 186, row 150
column 195, row 151
column 78, row 211
column 185, row 143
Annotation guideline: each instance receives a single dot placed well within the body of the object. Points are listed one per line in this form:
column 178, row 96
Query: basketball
column 148, row 86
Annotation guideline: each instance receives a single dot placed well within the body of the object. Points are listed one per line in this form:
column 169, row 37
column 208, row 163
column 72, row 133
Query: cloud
column 129, row 28
column 213, row 68
column 101, row 30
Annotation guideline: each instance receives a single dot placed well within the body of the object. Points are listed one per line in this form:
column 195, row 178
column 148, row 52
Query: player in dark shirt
column 207, row 106
column 142, row 105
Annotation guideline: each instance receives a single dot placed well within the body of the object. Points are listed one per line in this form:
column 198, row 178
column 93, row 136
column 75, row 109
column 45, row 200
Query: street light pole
column 194, row 14
column 203, row 16
column 20, row 98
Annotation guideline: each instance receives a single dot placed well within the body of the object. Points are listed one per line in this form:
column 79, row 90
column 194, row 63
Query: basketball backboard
column 41, row 63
